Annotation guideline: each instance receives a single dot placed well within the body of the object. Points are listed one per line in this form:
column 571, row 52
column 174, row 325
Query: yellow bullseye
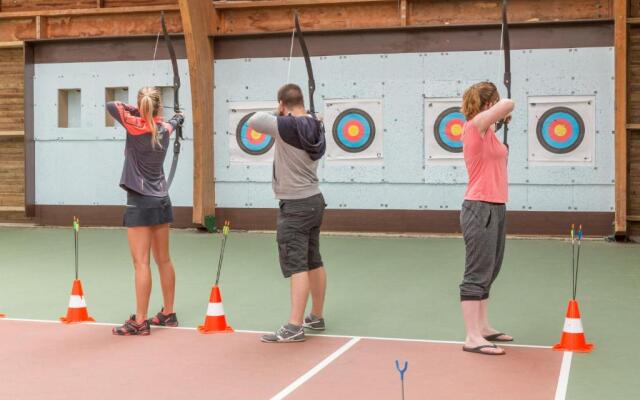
column 560, row 130
column 353, row 131
column 456, row 130
column 255, row 135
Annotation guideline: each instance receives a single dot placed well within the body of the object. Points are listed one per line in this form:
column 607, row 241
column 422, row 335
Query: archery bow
column 507, row 61
column 307, row 61
column 176, row 100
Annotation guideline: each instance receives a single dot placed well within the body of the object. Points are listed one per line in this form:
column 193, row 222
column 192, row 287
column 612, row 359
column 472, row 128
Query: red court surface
column 52, row 361
column 435, row 371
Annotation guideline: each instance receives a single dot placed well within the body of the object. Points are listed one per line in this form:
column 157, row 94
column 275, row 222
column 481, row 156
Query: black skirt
column 147, row 210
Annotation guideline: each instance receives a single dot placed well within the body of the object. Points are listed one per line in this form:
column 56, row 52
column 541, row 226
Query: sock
column 293, row 328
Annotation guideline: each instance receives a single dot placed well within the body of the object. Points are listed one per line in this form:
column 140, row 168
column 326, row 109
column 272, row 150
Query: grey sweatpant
column 483, row 229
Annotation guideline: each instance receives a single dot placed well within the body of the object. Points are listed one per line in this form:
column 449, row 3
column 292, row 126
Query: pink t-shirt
column 486, row 161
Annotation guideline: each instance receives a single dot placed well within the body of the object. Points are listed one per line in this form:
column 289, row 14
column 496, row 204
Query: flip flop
column 496, row 338
column 478, row 350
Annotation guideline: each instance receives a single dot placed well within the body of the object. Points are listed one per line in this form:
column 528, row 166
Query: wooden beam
column 39, row 27
column 11, row 133
column 291, row 3
column 633, row 126
column 621, row 77
column 89, row 11
column 403, row 12
column 196, row 16
column 14, row 44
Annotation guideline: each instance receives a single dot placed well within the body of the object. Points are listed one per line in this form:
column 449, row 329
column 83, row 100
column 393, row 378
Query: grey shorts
column 484, row 231
column 147, row 210
column 298, row 234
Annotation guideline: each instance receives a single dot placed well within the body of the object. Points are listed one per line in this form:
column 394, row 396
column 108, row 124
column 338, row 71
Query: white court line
column 319, row 367
column 189, row 328
column 563, row 379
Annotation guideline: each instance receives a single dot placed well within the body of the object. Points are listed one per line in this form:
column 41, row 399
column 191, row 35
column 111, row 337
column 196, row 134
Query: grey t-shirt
column 294, row 171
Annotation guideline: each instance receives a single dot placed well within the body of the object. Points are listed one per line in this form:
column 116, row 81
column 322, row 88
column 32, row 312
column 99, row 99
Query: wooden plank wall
column 632, row 116
column 11, row 89
column 11, row 133
column 633, row 135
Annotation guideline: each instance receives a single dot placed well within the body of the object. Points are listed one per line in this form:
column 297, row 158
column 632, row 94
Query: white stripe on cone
column 77, row 302
column 573, row 325
column 215, row 310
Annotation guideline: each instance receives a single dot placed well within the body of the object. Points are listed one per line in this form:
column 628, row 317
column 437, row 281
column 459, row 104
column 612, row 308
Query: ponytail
column 476, row 97
column 149, row 104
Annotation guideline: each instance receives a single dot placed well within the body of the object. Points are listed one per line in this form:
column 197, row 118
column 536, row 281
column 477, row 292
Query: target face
column 251, row 141
column 560, row 130
column 354, row 130
column 448, row 129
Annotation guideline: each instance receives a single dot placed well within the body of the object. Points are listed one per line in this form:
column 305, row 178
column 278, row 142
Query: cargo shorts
column 298, row 234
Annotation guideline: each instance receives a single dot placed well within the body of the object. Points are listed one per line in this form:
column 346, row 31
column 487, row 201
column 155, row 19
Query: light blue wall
column 402, row 81
column 82, row 165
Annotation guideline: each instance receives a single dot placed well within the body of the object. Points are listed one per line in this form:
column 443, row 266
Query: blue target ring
column 251, row 141
column 560, row 130
column 448, row 129
column 354, row 130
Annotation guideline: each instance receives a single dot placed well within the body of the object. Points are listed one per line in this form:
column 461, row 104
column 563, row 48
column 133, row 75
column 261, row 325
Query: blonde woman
column 483, row 214
column 148, row 213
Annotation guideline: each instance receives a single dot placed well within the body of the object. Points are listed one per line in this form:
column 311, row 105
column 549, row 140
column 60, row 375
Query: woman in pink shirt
column 483, row 213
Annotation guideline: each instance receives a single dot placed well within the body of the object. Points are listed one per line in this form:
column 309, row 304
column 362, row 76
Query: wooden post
column 621, row 62
column 196, row 16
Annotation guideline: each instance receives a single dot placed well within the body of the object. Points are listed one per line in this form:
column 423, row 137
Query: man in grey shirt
column 299, row 145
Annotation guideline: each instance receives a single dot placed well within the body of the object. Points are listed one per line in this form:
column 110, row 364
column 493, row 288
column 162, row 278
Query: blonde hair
column 476, row 97
column 149, row 105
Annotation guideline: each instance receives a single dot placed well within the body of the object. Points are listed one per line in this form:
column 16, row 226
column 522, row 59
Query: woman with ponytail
column 148, row 213
column 483, row 213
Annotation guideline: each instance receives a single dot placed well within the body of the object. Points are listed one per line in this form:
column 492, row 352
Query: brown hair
column 149, row 104
column 476, row 97
column 291, row 96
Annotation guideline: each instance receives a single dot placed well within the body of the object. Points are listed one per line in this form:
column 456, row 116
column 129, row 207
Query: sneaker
column 131, row 328
column 161, row 319
column 313, row 322
column 285, row 334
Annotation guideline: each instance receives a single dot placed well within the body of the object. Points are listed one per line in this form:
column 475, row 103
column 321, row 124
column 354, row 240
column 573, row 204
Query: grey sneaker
column 285, row 334
column 313, row 322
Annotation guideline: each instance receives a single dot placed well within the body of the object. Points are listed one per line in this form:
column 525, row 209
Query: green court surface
column 378, row 286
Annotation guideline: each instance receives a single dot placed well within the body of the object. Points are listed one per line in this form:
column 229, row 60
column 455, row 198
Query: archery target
column 247, row 145
column 560, row 130
column 354, row 130
column 448, row 128
column 251, row 141
column 443, row 128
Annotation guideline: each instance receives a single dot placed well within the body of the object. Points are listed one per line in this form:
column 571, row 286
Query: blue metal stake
column 402, row 371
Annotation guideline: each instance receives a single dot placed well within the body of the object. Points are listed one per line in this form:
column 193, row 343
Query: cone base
column 67, row 320
column 582, row 349
column 203, row 329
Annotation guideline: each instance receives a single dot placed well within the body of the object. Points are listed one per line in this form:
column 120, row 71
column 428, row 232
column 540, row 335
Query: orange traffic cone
column 2, row 315
column 77, row 311
column 573, row 338
column 215, row 321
